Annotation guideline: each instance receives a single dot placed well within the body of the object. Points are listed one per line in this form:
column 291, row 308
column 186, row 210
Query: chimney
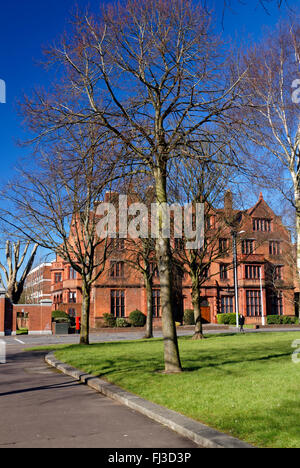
column 228, row 205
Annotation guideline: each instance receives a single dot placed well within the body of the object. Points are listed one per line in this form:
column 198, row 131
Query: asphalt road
column 41, row 408
column 44, row 340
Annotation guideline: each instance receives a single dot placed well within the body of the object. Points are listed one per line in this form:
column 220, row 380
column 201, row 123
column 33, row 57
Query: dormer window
column 261, row 224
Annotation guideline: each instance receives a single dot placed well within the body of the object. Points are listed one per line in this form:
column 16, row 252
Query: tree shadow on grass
column 229, row 361
column 272, row 427
column 101, row 366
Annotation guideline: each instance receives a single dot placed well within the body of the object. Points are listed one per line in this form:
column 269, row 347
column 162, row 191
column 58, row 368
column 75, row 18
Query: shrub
column 226, row 319
column 137, row 318
column 290, row 320
column 122, row 323
column 109, row 320
column 273, row 319
column 281, row 319
column 59, row 316
column 188, row 317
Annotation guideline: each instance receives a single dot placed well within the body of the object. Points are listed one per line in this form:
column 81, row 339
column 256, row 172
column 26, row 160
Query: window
column 204, row 273
column 72, row 313
column 117, row 303
column 156, row 302
column 223, row 271
column 154, row 269
column 116, row 269
column 253, row 303
column 247, row 246
column 58, row 277
column 179, row 244
column 252, row 271
column 261, row 224
column 119, row 244
column 226, row 304
column 277, row 305
column 209, row 222
column 274, row 248
column 72, row 297
column 72, row 273
column 223, row 245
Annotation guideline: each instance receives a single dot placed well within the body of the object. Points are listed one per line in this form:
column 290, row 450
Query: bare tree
column 141, row 256
column 272, row 126
column 141, row 251
column 151, row 74
column 202, row 181
column 13, row 278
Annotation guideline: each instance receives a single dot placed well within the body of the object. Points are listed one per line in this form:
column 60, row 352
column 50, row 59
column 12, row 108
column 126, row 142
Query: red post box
column 78, row 325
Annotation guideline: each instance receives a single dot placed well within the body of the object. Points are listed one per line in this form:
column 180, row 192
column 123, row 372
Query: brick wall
column 2, row 315
column 39, row 317
column 8, row 319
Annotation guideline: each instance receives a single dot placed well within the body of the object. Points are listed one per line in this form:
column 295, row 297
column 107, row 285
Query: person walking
column 241, row 323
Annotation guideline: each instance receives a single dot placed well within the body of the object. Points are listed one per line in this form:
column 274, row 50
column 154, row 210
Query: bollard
column 2, row 352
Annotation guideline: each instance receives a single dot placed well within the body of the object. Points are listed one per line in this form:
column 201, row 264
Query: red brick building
column 37, row 286
column 266, row 274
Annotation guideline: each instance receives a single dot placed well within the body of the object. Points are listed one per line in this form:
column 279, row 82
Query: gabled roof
column 261, row 208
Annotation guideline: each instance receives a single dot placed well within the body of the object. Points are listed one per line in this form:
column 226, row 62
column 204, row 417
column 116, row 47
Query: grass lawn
column 244, row 385
column 22, row 331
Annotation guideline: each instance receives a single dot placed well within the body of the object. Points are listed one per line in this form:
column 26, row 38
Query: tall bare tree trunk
column 297, row 203
column 149, row 323
column 198, row 334
column 163, row 255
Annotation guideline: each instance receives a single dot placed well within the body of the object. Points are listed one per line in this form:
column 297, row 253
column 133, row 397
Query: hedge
column 226, row 319
column 60, row 316
column 281, row 320
column 122, row 323
column 109, row 320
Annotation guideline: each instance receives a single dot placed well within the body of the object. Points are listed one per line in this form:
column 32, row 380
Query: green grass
column 22, row 331
column 244, row 385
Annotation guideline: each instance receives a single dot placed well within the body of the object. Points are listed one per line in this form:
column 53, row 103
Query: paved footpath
column 42, row 408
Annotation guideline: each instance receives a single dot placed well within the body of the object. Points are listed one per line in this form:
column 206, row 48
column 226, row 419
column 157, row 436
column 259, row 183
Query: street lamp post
column 236, row 291
column 261, row 298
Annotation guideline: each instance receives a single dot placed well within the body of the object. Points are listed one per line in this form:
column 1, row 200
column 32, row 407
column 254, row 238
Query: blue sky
column 28, row 26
